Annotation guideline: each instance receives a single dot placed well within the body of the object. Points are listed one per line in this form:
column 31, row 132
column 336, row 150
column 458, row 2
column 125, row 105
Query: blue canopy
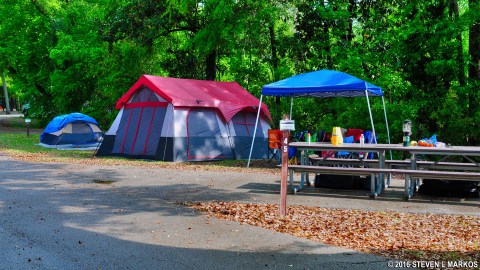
column 61, row 121
column 322, row 83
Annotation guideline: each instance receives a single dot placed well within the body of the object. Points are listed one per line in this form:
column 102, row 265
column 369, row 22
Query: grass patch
column 24, row 148
column 23, row 144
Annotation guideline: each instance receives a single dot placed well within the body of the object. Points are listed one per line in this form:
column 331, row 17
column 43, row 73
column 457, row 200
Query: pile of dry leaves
column 391, row 234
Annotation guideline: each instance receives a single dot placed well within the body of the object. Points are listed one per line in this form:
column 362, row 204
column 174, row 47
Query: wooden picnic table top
column 452, row 150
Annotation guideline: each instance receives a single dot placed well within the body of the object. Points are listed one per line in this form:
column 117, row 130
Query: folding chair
column 274, row 144
column 343, row 154
column 292, row 156
column 370, row 139
column 355, row 132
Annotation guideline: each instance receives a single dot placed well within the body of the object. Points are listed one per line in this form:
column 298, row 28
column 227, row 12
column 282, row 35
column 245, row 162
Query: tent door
column 139, row 132
column 76, row 133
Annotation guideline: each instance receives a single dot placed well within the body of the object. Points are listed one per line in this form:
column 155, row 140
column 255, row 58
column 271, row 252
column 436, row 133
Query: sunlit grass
column 21, row 143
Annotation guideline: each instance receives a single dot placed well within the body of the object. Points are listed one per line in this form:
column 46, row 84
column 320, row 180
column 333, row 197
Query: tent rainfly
column 324, row 84
column 174, row 119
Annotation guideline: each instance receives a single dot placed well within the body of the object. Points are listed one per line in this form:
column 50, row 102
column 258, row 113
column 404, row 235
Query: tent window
column 244, row 124
column 80, row 127
column 202, row 123
column 204, row 138
column 144, row 95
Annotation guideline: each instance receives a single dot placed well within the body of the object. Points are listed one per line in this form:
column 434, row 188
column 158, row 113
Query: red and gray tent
column 174, row 119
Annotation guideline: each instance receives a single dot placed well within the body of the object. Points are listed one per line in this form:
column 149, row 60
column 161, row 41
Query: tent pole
column 386, row 122
column 291, row 106
column 370, row 112
column 255, row 131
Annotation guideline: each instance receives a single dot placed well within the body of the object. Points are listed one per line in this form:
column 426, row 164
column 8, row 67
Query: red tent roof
column 228, row 97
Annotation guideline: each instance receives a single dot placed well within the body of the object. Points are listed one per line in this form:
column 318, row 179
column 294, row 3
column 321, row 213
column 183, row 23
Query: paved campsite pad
column 67, row 216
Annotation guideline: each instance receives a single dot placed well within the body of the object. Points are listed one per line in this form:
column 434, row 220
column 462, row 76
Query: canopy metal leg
column 386, row 123
column 255, row 131
column 370, row 112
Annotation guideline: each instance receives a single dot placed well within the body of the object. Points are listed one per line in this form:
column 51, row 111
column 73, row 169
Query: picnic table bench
column 423, row 164
column 376, row 186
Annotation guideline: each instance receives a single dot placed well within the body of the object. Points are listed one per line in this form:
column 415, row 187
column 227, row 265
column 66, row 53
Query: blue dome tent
column 73, row 129
column 323, row 84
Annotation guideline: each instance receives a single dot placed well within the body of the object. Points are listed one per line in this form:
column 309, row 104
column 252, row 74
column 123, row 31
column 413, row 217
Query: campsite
column 240, row 134
column 130, row 205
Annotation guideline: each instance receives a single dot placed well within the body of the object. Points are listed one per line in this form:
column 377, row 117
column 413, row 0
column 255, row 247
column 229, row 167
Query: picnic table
column 411, row 168
column 461, row 170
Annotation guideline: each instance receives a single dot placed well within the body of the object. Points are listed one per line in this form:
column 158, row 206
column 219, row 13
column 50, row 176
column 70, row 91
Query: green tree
column 66, row 56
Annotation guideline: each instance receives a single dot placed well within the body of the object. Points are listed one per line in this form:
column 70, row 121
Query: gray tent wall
column 200, row 135
column 181, row 134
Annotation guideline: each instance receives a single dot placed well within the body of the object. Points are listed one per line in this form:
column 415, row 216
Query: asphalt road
column 55, row 216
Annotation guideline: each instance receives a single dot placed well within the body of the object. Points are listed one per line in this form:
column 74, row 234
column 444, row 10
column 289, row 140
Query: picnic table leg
column 307, row 162
column 415, row 181
column 408, row 195
column 373, row 186
column 381, row 176
column 303, row 161
column 410, row 182
column 290, row 180
column 377, row 183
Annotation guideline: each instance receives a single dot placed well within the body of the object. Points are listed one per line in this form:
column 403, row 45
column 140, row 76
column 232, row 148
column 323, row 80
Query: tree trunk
column 211, row 69
column 273, row 46
column 351, row 10
column 455, row 14
column 326, row 37
column 5, row 91
column 474, row 45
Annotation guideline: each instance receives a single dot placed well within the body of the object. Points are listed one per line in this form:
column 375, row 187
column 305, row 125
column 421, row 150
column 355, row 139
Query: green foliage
column 83, row 55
